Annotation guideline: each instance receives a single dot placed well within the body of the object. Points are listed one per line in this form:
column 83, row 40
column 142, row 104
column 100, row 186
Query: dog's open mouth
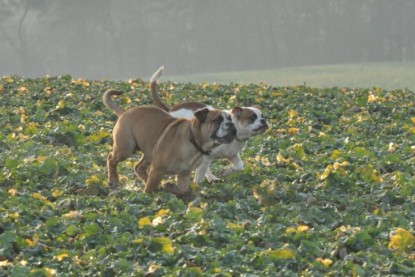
column 261, row 129
column 228, row 138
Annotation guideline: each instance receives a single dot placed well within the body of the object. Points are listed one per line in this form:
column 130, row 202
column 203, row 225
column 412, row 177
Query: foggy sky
column 124, row 39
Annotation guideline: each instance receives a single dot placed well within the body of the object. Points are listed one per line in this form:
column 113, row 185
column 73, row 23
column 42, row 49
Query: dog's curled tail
column 110, row 104
column 153, row 89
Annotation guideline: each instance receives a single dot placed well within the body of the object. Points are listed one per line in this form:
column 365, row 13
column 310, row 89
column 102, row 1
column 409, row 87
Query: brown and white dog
column 248, row 122
column 170, row 146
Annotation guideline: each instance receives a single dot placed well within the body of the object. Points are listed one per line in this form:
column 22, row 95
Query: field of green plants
column 327, row 190
column 387, row 75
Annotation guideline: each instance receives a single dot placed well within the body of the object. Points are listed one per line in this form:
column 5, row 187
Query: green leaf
column 194, row 214
column 7, row 237
column 71, row 230
column 11, row 163
column 48, row 167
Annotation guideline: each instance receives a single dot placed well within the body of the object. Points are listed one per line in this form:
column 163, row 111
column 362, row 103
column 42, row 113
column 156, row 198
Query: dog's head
column 248, row 122
column 216, row 125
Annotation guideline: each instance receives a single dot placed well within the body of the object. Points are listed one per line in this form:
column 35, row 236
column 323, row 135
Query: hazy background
column 122, row 39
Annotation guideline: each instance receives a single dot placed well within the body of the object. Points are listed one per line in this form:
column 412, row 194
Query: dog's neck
column 196, row 145
column 241, row 140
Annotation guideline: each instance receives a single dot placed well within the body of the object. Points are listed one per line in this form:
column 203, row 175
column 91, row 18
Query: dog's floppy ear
column 201, row 114
column 237, row 111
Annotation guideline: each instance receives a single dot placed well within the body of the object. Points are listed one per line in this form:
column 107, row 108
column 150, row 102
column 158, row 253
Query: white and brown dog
column 170, row 146
column 248, row 122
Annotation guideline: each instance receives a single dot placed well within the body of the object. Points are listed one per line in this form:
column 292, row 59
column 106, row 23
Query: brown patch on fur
column 245, row 115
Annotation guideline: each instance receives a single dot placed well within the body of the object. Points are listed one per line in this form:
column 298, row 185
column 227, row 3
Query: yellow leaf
column 336, row 154
column 290, row 230
column 73, row 215
column 5, row 263
column 338, row 165
column 303, row 228
column 413, row 119
column 61, row 105
column 23, row 118
column 235, row 227
column 24, row 262
column 163, row 212
column 57, row 192
column 292, row 113
column 44, row 271
column 14, row 216
column 265, row 161
column 30, row 243
column 8, row 79
column 23, row 89
column 144, row 221
column 157, row 221
column 281, row 159
column 62, row 256
column 12, row 192
column 325, row 262
column 279, row 254
column 94, row 179
column 293, row 131
column 138, row 241
column 166, row 243
column 372, row 98
column 401, row 240
column 98, row 113
column 39, row 196
column 326, row 172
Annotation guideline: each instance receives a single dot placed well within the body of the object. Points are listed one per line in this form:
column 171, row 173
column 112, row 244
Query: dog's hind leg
column 117, row 155
column 141, row 169
column 112, row 163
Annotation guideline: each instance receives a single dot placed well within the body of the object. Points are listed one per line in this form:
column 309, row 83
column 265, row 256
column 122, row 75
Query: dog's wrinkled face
column 218, row 125
column 248, row 121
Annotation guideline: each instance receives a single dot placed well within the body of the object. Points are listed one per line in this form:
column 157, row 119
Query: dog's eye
column 219, row 119
column 252, row 118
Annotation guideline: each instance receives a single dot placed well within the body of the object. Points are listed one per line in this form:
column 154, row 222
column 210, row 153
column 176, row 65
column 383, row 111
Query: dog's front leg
column 202, row 169
column 183, row 184
column 153, row 181
column 237, row 165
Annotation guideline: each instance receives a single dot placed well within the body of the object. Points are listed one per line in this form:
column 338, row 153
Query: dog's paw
column 176, row 190
column 212, row 178
column 169, row 187
column 113, row 183
column 229, row 171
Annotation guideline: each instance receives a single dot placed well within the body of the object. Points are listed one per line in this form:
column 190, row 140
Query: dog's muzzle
column 261, row 129
column 230, row 134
